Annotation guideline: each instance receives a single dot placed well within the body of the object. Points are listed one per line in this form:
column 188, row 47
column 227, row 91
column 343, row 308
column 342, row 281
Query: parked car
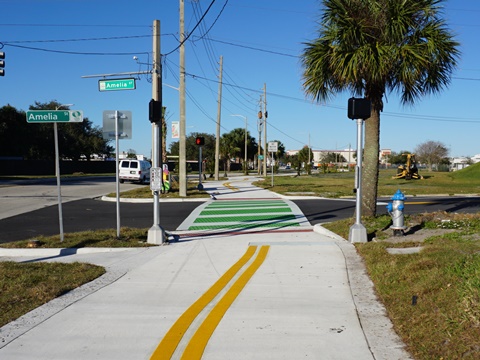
column 134, row 170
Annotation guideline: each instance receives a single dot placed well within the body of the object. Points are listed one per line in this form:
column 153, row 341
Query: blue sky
column 51, row 44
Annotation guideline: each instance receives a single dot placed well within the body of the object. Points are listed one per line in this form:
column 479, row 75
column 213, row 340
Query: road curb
column 60, row 251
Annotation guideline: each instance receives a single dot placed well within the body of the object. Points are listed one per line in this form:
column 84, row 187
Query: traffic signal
column 2, row 63
column 359, row 108
column 155, row 111
column 200, row 141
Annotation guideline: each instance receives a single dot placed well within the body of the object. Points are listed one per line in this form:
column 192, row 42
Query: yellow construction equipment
column 408, row 171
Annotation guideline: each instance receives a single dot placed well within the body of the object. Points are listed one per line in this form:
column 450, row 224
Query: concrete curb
column 141, row 201
column 59, row 251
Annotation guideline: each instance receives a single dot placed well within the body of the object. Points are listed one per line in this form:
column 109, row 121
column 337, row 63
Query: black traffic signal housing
column 2, row 63
column 155, row 111
column 359, row 108
column 200, row 141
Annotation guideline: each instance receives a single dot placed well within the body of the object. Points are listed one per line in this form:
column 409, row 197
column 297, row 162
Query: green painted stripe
column 249, row 206
column 243, row 226
column 248, row 203
column 245, row 218
column 245, row 211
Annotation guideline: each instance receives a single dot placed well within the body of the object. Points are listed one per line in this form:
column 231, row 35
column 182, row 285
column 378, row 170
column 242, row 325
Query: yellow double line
column 231, row 187
column 196, row 346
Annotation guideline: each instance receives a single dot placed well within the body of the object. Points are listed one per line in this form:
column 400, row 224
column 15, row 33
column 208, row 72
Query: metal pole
column 200, row 186
column 57, row 172
column 156, row 234
column 271, row 165
column 246, row 140
column 358, row 232
column 117, row 185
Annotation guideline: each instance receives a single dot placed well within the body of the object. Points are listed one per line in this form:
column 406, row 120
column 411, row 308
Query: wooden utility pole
column 265, row 115
column 182, row 158
column 219, row 116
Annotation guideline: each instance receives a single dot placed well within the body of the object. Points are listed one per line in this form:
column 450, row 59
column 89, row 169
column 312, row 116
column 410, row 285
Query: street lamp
column 246, row 140
column 57, row 173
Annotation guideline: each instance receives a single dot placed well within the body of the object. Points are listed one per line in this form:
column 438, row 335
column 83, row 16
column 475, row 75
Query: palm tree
column 374, row 47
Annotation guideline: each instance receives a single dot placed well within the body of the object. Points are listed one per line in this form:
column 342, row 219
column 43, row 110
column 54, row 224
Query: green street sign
column 116, row 84
column 52, row 116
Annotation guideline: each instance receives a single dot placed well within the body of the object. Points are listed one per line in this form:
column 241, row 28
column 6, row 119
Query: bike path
column 238, row 205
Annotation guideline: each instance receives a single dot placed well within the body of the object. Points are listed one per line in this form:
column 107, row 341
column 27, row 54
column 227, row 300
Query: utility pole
column 219, row 116
column 182, row 159
column 265, row 115
column 156, row 234
column 259, row 125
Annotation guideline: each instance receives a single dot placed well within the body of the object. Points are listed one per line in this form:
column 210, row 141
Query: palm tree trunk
column 370, row 162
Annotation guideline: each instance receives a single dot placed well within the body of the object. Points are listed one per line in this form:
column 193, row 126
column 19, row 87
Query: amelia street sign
column 116, row 84
column 52, row 116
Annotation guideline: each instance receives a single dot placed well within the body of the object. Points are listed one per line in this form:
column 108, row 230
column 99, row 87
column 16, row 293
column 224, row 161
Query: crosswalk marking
column 247, row 214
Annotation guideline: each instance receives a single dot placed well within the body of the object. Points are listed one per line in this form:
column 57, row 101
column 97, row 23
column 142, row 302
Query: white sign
column 156, row 179
column 124, row 124
column 175, row 130
column 273, row 146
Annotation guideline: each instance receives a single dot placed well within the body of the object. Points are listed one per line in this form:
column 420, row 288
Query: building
column 348, row 154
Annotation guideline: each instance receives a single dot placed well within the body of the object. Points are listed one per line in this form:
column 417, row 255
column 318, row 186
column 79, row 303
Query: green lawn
column 335, row 185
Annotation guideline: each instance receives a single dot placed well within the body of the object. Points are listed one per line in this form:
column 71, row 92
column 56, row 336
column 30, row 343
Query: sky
column 52, row 45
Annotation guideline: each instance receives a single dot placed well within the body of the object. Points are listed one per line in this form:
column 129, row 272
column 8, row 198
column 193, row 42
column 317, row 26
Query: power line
column 76, row 52
column 194, row 28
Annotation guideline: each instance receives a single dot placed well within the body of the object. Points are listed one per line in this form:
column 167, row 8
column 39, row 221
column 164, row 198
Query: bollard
column 395, row 209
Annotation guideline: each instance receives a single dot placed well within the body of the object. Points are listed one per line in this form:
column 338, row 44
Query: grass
column 26, row 286
column 336, row 185
column 443, row 321
column 129, row 237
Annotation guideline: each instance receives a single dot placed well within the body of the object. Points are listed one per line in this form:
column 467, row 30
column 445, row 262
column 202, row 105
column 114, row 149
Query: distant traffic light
column 200, row 141
column 2, row 63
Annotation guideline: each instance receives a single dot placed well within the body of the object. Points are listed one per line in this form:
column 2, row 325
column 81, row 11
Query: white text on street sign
column 116, row 84
column 273, row 146
column 52, row 116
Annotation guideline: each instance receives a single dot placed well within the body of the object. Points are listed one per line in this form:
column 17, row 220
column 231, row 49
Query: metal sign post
column 56, row 116
column 117, row 124
column 359, row 110
column 200, row 186
column 117, row 172
column 272, row 148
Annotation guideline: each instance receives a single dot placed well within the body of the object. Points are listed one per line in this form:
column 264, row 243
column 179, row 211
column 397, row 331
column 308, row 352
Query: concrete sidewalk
column 265, row 295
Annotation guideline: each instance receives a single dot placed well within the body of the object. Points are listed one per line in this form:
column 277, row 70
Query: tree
column 373, row 47
column 192, row 149
column 76, row 140
column 431, row 153
column 304, row 155
column 398, row 158
column 332, row 157
column 14, row 132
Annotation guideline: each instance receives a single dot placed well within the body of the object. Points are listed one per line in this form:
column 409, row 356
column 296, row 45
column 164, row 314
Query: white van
column 134, row 170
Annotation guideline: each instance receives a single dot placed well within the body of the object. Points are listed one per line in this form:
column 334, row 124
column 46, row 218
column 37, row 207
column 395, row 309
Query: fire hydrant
column 395, row 209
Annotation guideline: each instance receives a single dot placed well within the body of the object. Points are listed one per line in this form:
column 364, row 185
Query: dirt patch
column 415, row 236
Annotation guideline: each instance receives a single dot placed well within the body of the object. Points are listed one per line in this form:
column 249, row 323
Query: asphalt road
column 90, row 214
